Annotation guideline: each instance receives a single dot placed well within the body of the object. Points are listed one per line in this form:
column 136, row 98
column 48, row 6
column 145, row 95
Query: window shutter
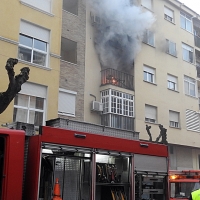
column 34, row 31
column 66, row 104
column 187, row 47
column 169, row 12
column 147, row 4
column 149, row 69
column 150, row 112
column 173, row 116
column 192, row 120
column 41, row 4
column 33, row 89
column 171, row 78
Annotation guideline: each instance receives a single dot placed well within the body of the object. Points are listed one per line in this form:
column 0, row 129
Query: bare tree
column 15, row 83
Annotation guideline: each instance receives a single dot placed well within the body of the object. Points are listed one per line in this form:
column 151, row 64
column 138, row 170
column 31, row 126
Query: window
column 68, row 50
column 71, row 6
column 150, row 113
column 171, row 48
column 186, row 22
column 192, row 120
column 118, row 109
column 29, row 104
column 149, row 74
column 187, row 53
column 169, row 14
column 174, row 119
column 44, row 5
column 147, row 4
column 66, row 102
column 33, row 44
column 149, row 38
column 190, row 86
column 172, row 82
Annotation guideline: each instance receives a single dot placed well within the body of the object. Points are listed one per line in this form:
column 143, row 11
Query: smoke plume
column 118, row 37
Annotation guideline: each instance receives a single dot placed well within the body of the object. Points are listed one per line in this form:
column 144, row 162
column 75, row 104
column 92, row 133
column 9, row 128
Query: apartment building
column 128, row 74
column 124, row 65
column 31, row 31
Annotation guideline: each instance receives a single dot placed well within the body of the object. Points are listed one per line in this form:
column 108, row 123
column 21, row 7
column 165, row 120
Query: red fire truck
column 97, row 163
column 182, row 183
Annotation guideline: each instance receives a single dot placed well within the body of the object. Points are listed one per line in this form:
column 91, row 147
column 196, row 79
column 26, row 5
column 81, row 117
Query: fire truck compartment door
column 150, row 163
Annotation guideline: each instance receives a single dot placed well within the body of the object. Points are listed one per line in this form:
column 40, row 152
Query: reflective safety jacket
column 196, row 195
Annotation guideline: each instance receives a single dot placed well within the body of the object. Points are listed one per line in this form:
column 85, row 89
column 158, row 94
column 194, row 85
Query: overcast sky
column 193, row 4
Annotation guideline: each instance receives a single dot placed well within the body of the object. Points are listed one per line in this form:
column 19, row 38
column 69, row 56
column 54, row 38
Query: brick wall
column 72, row 75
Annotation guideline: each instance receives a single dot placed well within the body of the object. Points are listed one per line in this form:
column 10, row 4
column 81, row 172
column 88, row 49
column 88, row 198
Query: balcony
column 198, row 69
column 117, row 78
column 197, row 41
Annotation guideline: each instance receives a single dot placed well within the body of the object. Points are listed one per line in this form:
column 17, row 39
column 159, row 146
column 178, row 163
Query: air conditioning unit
column 96, row 106
column 95, row 19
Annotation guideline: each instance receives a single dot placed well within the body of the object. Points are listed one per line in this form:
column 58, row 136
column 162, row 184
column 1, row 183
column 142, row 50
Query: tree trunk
column 15, row 83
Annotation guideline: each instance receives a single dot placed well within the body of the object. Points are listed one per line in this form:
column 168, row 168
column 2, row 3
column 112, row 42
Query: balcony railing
column 117, row 78
column 198, row 69
column 197, row 41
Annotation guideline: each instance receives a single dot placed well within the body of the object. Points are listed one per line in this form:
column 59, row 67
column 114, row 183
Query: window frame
column 29, row 109
column 173, row 46
column 186, row 18
column 64, row 45
column 190, row 81
column 166, row 14
column 149, row 112
column 148, row 36
column 75, row 12
column 174, row 119
column 172, row 80
column 33, row 49
column 41, row 35
column 118, row 103
column 150, row 74
column 190, row 53
column 67, row 92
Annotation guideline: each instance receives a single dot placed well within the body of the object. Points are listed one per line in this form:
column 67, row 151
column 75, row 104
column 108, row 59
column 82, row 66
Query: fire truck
column 182, row 183
column 91, row 162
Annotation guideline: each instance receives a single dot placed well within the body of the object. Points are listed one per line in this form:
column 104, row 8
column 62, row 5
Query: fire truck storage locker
column 12, row 144
column 96, row 167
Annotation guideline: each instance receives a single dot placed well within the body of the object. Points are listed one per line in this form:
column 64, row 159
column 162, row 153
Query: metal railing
column 117, row 78
column 198, row 69
column 197, row 41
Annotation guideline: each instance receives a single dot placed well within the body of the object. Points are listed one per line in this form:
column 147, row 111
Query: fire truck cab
column 88, row 164
column 182, row 183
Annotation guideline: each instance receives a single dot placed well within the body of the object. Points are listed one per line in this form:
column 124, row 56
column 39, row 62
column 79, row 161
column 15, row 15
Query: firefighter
column 195, row 195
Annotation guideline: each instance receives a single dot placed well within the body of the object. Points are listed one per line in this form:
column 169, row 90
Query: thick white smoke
column 118, row 37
